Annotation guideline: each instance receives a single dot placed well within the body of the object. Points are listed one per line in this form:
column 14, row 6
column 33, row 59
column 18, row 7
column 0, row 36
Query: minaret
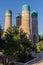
column 34, row 17
column 26, row 19
column 18, row 19
column 8, row 20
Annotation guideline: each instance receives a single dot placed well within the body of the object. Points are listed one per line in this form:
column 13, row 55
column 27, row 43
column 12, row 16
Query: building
column 25, row 20
column 8, row 20
column 31, row 31
column 34, row 17
column 18, row 19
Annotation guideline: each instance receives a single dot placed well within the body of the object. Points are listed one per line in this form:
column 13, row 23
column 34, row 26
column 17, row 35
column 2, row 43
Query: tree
column 16, row 42
column 12, row 40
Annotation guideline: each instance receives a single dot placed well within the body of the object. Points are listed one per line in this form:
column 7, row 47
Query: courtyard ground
column 39, row 60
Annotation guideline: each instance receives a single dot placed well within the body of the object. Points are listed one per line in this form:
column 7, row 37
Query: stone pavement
column 38, row 61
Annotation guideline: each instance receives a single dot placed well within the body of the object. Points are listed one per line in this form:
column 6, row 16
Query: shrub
column 39, row 46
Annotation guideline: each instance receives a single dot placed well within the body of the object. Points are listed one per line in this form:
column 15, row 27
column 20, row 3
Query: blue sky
column 16, row 7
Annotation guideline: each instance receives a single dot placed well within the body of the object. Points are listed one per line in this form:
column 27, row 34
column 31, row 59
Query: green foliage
column 39, row 46
column 16, row 42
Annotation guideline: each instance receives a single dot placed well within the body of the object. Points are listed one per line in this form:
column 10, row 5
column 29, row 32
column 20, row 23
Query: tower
column 8, row 20
column 34, row 17
column 18, row 19
column 26, row 19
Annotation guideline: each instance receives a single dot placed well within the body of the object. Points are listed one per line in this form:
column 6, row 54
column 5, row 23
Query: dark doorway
column 34, row 38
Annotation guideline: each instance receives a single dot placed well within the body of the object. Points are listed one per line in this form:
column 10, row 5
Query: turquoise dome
column 9, row 11
column 18, row 15
column 25, row 7
column 34, row 13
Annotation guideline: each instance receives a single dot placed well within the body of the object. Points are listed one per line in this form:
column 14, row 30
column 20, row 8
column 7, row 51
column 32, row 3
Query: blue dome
column 18, row 15
column 9, row 11
column 34, row 13
column 25, row 7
